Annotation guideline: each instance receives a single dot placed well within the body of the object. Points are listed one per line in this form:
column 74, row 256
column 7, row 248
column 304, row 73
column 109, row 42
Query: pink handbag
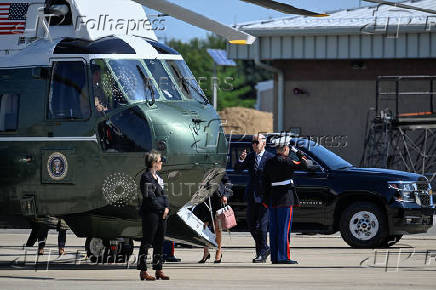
column 226, row 218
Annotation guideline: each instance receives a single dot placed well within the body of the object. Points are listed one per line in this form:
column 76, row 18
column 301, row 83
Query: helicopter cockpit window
column 68, row 98
column 134, row 80
column 127, row 131
column 8, row 112
column 127, row 81
column 106, row 91
column 120, row 82
column 165, row 82
column 186, row 80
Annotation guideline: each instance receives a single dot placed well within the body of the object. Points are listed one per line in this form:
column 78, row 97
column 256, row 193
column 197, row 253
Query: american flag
column 13, row 18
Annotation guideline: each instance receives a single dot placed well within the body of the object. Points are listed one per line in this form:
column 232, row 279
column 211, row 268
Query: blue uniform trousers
column 280, row 221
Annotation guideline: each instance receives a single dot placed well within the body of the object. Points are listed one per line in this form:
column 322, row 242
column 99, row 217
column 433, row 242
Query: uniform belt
column 284, row 182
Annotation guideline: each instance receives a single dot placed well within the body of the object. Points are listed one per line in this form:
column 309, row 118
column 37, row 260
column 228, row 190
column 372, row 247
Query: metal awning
column 364, row 33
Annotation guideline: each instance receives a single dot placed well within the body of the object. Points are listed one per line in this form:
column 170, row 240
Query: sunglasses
column 255, row 142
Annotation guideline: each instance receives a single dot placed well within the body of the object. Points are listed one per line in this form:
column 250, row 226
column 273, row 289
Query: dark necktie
column 256, row 163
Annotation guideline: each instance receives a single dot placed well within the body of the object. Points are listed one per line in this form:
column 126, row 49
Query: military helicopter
column 85, row 90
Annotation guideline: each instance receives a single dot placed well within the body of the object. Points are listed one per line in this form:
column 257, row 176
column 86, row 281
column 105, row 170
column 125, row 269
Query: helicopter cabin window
column 68, row 98
column 8, row 112
column 127, row 131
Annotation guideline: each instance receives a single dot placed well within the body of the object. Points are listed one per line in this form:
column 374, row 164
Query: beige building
column 326, row 68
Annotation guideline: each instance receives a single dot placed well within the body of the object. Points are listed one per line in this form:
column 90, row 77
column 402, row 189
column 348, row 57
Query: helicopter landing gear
column 95, row 249
column 108, row 251
column 124, row 249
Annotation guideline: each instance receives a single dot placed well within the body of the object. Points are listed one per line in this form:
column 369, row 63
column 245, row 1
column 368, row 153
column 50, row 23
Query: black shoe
column 218, row 261
column 289, row 262
column 202, row 261
column 259, row 259
column 173, row 259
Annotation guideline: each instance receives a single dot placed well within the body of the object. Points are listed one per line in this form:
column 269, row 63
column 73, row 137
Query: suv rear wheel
column 363, row 225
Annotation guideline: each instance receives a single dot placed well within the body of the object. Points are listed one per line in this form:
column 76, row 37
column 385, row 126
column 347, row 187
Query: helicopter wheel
column 95, row 249
column 103, row 251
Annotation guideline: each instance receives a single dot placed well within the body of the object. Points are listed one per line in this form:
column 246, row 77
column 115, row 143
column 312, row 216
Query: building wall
column 265, row 96
column 339, row 96
column 266, row 100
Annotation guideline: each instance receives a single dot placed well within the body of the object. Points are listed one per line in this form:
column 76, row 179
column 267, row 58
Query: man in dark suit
column 257, row 213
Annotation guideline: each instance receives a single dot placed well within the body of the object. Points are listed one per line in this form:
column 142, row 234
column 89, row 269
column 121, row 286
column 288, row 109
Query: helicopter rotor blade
column 284, row 8
column 232, row 35
column 400, row 5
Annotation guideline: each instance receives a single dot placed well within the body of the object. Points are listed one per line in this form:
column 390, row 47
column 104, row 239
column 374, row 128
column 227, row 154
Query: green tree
column 236, row 84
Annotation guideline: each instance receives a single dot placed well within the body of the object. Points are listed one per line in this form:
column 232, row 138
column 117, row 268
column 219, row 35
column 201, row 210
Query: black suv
column 371, row 207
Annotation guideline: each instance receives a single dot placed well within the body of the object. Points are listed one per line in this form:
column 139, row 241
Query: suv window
column 8, row 112
column 235, row 151
column 68, row 98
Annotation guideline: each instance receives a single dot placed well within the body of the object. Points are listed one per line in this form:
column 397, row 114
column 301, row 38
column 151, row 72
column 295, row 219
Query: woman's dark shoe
column 143, row 275
column 202, row 261
column 219, row 261
column 160, row 275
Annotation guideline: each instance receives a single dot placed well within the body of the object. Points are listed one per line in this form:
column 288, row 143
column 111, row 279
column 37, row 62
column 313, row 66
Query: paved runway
column 325, row 262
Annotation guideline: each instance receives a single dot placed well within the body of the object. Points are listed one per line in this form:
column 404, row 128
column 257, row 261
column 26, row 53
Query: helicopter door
column 68, row 98
column 68, row 113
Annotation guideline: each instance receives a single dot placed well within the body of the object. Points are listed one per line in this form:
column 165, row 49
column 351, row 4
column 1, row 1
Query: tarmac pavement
column 324, row 262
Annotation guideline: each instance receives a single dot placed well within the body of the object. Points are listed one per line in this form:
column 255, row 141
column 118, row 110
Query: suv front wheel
column 363, row 225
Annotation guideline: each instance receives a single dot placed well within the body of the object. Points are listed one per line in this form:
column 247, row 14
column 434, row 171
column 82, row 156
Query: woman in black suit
column 154, row 211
